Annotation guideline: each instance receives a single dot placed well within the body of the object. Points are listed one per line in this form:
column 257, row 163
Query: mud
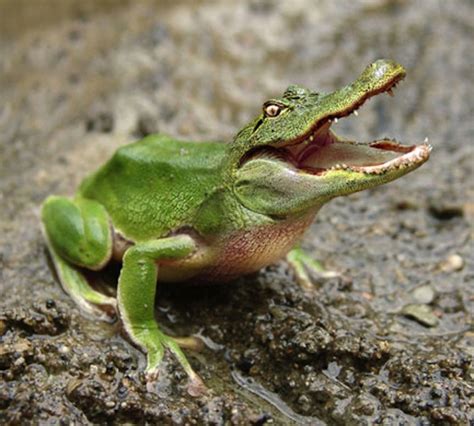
column 391, row 342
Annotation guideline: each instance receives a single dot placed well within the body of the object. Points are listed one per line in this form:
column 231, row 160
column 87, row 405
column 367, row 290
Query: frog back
column 155, row 185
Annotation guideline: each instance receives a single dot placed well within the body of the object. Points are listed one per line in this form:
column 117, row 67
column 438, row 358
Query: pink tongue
column 325, row 157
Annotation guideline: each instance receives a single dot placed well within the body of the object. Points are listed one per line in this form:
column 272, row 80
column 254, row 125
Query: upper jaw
column 318, row 150
column 323, row 121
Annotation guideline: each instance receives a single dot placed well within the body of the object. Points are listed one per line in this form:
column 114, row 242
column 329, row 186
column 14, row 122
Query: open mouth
column 319, row 150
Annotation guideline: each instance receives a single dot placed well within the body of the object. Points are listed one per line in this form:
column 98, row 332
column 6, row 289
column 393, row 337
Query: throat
column 245, row 252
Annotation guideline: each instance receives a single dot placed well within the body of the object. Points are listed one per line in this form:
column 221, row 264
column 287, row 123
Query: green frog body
column 174, row 211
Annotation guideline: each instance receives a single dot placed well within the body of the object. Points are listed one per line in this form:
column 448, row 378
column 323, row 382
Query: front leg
column 304, row 266
column 136, row 302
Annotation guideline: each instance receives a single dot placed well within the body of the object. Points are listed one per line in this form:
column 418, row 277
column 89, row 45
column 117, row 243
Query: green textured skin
column 156, row 185
column 304, row 108
column 186, row 210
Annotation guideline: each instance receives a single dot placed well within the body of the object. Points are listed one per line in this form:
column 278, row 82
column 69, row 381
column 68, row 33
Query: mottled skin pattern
column 206, row 211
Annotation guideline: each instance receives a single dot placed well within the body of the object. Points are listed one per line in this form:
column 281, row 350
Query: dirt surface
column 390, row 343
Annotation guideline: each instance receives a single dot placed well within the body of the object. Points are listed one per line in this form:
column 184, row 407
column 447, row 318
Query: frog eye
column 272, row 110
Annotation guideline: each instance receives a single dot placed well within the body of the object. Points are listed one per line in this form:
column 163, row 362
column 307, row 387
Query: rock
column 443, row 209
column 423, row 294
column 453, row 263
column 421, row 313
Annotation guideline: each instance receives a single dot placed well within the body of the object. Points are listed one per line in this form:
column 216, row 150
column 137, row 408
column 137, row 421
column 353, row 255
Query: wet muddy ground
column 390, row 343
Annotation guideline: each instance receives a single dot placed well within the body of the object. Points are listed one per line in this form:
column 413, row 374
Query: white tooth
column 356, row 113
column 335, row 120
column 311, row 138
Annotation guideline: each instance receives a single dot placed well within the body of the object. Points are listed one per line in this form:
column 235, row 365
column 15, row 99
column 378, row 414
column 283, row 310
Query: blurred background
column 392, row 344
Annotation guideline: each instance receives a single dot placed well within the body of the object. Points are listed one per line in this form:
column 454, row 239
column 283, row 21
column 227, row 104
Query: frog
column 175, row 211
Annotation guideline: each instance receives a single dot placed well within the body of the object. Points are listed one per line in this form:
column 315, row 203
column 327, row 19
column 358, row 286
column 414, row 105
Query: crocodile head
column 289, row 159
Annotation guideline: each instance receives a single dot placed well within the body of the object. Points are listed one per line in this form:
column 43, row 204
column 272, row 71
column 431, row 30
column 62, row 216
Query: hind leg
column 78, row 234
column 304, row 266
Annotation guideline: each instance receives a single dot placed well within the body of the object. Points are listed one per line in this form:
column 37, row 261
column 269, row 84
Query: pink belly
column 240, row 253
column 253, row 250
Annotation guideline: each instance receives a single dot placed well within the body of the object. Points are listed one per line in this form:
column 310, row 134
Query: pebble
column 421, row 313
column 19, row 361
column 453, row 263
column 423, row 294
column 63, row 349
